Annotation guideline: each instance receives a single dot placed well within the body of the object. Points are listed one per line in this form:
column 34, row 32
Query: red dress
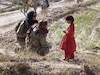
column 68, row 43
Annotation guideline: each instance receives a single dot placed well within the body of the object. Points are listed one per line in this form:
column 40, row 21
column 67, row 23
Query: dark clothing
column 42, row 31
column 38, row 43
column 30, row 18
column 21, row 41
column 30, row 23
column 24, row 26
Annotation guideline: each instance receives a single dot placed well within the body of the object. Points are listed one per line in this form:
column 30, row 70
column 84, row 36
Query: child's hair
column 70, row 18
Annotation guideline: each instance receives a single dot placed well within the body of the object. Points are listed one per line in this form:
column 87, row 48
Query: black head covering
column 71, row 18
column 30, row 18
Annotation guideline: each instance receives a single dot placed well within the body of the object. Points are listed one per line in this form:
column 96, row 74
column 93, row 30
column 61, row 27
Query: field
column 87, row 35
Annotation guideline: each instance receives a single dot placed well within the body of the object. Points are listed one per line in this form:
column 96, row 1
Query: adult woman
column 23, row 26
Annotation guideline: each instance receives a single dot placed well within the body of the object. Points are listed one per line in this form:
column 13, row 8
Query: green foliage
column 5, row 72
column 57, row 30
column 86, row 21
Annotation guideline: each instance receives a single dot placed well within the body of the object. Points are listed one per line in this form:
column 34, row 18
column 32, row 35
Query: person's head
column 42, row 28
column 31, row 15
column 70, row 19
column 43, row 24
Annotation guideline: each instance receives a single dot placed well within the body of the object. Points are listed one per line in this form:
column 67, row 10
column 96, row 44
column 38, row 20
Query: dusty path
column 10, row 17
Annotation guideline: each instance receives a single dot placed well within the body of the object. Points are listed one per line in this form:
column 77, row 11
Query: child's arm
column 64, row 31
column 70, row 31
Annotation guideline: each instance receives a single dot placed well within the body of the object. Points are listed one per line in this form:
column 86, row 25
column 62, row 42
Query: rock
column 88, row 71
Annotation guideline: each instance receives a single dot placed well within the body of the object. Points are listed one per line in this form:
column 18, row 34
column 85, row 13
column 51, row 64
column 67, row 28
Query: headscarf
column 30, row 18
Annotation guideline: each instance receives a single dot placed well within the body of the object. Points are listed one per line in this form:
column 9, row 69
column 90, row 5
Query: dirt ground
column 9, row 20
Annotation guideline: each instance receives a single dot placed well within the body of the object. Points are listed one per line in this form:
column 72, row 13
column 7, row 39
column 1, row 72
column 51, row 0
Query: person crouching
column 37, row 38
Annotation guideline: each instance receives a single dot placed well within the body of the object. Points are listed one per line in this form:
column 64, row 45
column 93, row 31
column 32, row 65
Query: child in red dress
column 68, row 43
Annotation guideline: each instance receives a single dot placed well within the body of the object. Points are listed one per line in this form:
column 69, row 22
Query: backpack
column 18, row 25
column 21, row 28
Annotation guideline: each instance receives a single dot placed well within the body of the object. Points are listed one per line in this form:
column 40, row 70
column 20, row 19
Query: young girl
column 23, row 26
column 68, row 42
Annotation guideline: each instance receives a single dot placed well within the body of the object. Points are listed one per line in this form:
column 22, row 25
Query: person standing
column 68, row 43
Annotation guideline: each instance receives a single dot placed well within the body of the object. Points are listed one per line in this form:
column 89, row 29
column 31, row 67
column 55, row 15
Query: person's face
column 34, row 17
column 45, row 26
column 69, row 22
